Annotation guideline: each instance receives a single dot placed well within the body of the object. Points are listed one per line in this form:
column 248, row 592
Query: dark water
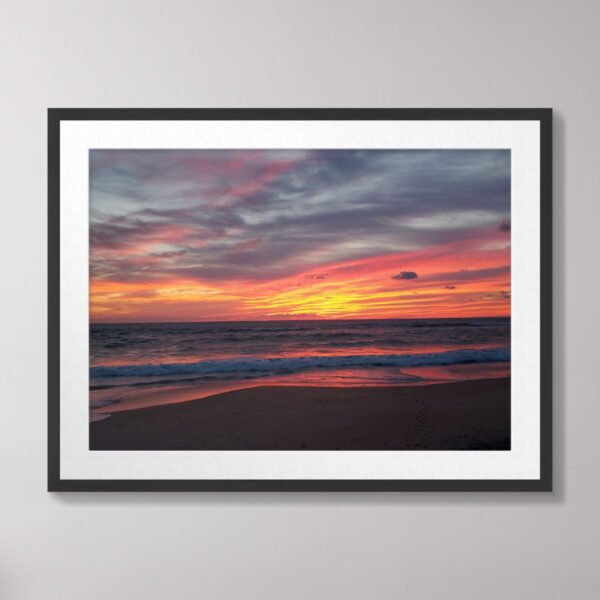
column 233, row 347
column 155, row 359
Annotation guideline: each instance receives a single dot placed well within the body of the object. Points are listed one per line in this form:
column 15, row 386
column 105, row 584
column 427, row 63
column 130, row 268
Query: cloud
column 504, row 226
column 405, row 275
column 471, row 274
column 249, row 244
column 264, row 214
column 502, row 295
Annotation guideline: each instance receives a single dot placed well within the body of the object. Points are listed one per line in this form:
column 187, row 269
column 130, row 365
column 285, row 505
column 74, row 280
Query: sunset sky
column 202, row 235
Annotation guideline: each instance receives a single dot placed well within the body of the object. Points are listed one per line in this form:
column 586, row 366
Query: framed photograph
column 300, row 299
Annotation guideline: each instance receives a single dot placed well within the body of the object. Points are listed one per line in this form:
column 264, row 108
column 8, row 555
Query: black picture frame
column 58, row 115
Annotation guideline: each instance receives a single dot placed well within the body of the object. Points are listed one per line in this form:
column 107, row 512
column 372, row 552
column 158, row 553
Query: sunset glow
column 198, row 235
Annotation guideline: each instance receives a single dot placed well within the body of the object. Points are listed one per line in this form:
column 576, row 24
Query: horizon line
column 297, row 320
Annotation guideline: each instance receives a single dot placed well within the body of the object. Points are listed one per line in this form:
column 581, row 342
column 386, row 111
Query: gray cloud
column 405, row 275
column 307, row 208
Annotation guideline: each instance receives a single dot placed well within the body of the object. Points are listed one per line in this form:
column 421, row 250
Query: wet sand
column 469, row 415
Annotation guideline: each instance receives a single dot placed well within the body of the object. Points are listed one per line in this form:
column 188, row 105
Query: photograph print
column 318, row 299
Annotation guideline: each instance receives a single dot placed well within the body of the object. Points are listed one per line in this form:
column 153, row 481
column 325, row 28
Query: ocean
column 142, row 364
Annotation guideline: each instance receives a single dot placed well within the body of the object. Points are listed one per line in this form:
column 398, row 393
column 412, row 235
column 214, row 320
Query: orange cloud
column 454, row 280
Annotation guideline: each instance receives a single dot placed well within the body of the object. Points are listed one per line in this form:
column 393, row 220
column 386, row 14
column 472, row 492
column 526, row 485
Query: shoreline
column 465, row 415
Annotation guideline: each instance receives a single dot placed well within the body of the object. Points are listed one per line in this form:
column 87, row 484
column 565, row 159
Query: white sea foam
column 233, row 366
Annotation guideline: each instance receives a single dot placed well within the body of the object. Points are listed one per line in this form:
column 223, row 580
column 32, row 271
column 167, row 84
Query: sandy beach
column 469, row 415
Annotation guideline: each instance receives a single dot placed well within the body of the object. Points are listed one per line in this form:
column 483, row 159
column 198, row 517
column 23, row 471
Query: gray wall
column 304, row 53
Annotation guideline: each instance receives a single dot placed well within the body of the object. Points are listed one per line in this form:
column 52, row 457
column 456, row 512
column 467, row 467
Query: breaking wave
column 233, row 366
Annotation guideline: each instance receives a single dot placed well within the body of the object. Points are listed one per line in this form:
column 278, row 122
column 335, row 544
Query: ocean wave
column 241, row 365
